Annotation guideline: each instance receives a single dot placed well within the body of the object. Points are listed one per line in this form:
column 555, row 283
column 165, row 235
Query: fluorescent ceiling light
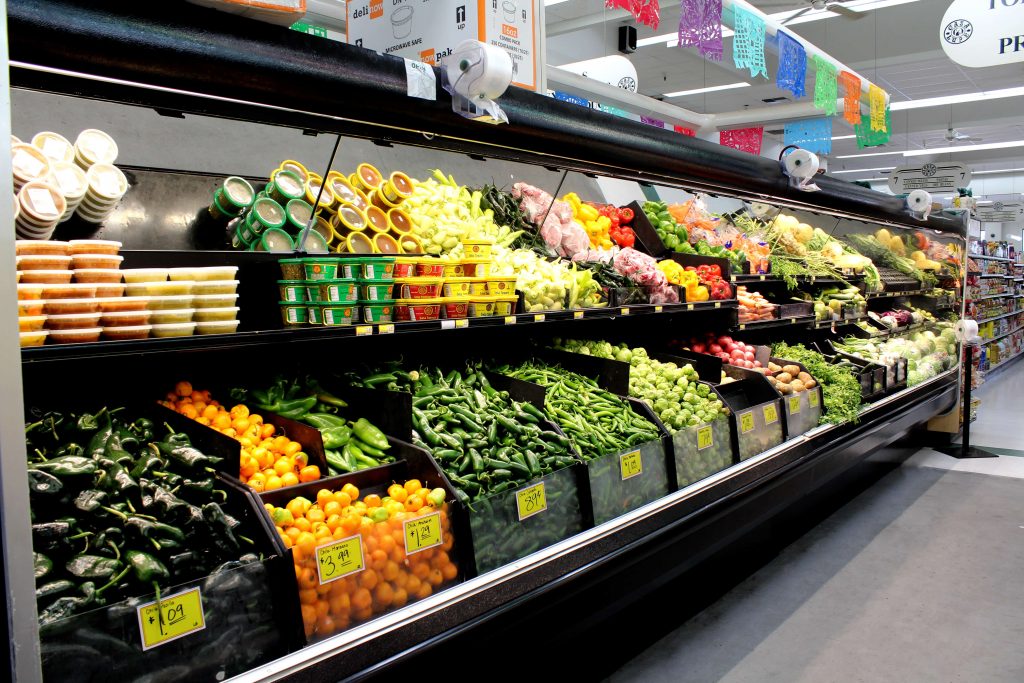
column 549, row 3
column 683, row 93
column 1001, row 170
column 957, row 99
column 868, row 154
column 964, row 148
column 863, row 170
column 843, row 137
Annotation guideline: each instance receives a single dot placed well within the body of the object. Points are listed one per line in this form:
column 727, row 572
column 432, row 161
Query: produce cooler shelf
column 828, row 324
column 909, row 292
column 802, row 279
column 1005, row 334
column 999, row 317
column 783, row 322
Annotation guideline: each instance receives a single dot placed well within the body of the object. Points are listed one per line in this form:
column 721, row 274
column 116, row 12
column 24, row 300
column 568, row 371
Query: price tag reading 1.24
column 812, row 398
column 339, row 559
column 171, row 618
column 771, row 415
column 630, row 465
column 794, row 405
column 422, row 533
column 531, row 500
column 704, row 438
column 746, row 422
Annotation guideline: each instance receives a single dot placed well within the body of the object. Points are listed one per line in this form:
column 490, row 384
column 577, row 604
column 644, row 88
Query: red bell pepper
column 625, row 215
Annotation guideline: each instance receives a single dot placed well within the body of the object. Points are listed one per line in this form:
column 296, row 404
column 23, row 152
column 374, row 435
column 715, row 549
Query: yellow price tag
column 659, row 309
column 689, row 307
column 771, row 415
column 624, row 311
column 171, row 618
column 577, row 315
column 510, row 320
column 812, row 398
column 746, row 422
column 630, row 465
column 364, row 330
column 538, row 318
column 386, row 329
column 794, row 405
column 743, row 326
column 718, row 304
column 704, row 438
column 340, row 558
column 531, row 501
column 422, row 533
column 761, row 278
column 461, row 323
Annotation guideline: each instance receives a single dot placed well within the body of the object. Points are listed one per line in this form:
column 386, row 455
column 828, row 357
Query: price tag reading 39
column 531, row 500
column 794, row 405
column 339, row 559
column 171, row 618
column 422, row 533
column 746, row 422
column 630, row 465
column 771, row 415
column 704, row 438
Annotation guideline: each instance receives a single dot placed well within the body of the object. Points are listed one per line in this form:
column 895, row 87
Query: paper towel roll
column 479, row 71
column 965, row 330
column 919, row 201
column 801, row 164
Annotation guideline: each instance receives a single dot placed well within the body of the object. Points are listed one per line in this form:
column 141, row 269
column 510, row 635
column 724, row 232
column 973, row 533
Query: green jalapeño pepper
column 369, row 434
column 146, row 568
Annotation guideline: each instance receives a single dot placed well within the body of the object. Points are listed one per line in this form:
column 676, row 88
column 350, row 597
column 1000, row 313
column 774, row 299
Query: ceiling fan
column 834, row 6
column 953, row 136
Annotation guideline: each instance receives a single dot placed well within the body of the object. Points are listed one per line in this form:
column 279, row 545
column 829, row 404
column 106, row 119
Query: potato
column 803, row 377
column 810, row 384
column 793, row 370
column 784, row 378
column 784, row 388
column 772, row 380
column 797, row 386
column 773, row 367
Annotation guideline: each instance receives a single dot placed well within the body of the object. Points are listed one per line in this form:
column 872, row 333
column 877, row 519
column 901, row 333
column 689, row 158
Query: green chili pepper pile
column 120, row 506
column 597, row 421
column 290, row 397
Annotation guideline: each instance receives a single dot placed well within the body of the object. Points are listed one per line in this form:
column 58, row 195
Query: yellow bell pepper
column 696, row 293
column 573, row 200
column 589, row 213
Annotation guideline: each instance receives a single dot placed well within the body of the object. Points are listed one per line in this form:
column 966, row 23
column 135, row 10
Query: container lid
column 377, row 218
column 384, row 302
column 268, row 212
column 140, row 300
column 56, row 147
column 107, row 180
column 296, row 304
column 57, row 259
column 177, row 298
column 89, row 318
column 385, row 243
column 380, row 259
column 128, row 314
column 81, row 332
column 96, row 146
column 42, row 200
column 70, row 178
column 163, row 312
column 37, row 333
column 289, row 184
column 126, row 329
column 167, row 327
column 369, row 175
column 400, row 220
column 291, row 260
column 28, row 162
column 295, row 167
column 299, row 212
column 342, row 189
column 421, row 302
column 336, row 281
column 314, row 243
column 276, row 240
column 455, row 299
column 147, row 271
column 205, row 297
column 238, row 191
column 358, row 243
column 99, row 271
column 218, row 309
column 419, row 280
column 313, row 188
column 351, row 217
column 401, row 183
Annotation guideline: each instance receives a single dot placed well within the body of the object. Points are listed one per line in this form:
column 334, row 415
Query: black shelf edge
column 891, row 295
column 802, row 279
column 784, row 322
column 827, row 324
column 990, row 258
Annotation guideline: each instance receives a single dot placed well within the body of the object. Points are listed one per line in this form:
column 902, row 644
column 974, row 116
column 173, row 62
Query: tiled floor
column 917, row 579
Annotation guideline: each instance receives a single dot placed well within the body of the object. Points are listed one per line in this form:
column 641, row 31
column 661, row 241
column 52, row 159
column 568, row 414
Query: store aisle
column 916, row 579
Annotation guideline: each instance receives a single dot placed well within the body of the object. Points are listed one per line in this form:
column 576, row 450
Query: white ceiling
column 896, row 47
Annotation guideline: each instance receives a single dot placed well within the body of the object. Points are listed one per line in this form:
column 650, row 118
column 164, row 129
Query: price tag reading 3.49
column 171, row 618
column 705, row 439
column 422, row 533
column 746, row 422
column 531, row 500
column 771, row 415
column 339, row 559
column 630, row 465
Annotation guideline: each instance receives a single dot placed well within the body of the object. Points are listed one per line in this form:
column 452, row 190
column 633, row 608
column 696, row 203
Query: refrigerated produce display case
column 338, row 418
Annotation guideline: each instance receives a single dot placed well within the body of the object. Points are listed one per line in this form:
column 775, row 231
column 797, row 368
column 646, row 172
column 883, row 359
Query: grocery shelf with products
column 357, row 403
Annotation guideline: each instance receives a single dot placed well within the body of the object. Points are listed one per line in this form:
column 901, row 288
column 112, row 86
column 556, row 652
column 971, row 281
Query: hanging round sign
column 979, row 33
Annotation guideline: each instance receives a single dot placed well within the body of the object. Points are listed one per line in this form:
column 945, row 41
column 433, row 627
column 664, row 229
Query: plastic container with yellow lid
column 356, row 243
column 399, row 222
column 455, row 307
column 505, row 305
column 457, row 287
column 93, row 146
column 27, row 164
column 316, row 188
column 501, row 285
column 341, row 187
column 366, row 177
column 385, row 244
column 397, row 188
column 410, row 244
column 453, row 268
column 376, row 219
column 378, row 200
column 324, row 229
column 55, row 146
column 418, row 309
column 418, row 288
column 477, row 248
column 481, row 306
column 428, row 266
column 294, row 167
column 405, row 266
column 350, row 218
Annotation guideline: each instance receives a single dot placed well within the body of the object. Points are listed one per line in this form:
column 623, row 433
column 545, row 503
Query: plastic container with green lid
column 292, row 291
column 285, row 186
column 294, row 313
column 375, row 290
column 378, row 268
column 298, row 213
column 378, row 311
column 292, row 269
column 313, row 243
column 274, row 240
column 315, row 314
column 321, row 268
column 339, row 314
column 242, row 236
column 265, row 213
column 232, row 197
column 340, row 290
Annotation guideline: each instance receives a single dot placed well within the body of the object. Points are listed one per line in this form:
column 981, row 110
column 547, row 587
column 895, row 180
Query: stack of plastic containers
column 195, row 300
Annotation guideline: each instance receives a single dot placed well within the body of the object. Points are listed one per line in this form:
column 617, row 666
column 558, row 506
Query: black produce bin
column 803, row 409
column 757, row 411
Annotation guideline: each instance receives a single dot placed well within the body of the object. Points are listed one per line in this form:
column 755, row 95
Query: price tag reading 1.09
column 339, row 559
column 531, row 500
column 771, row 415
column 812, row 398
column 794, row 405
column 705, row 439
column 630, row 465
column 171, row 618
column 746, row 422
column 422, row 533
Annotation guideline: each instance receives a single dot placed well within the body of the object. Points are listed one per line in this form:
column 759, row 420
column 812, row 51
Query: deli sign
column 979, row 33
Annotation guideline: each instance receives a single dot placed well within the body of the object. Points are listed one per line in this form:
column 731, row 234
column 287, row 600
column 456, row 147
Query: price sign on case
column 339, row 559
column 771, row 415
column 171, row 618
column 794, row 405
column 630, row 465
column 422, row 533
column 812, row 398
column 746, row 422
column 705, row 438
column 531, row 501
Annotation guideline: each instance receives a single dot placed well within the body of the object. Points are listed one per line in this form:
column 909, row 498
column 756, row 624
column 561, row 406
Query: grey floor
column 917, row 579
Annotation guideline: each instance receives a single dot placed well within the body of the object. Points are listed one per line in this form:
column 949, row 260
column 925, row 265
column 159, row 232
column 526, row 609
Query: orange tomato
column 309, row 473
